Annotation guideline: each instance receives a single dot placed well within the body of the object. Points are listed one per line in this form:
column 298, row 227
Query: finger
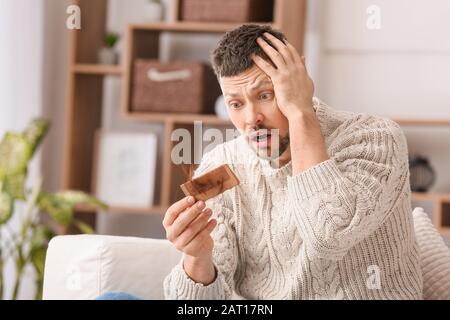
column 304, row 61
column 304, row 64
column 185, row 218
column 271, row 52
column 264, row 65
column 194, row 228
column 202, row 236
column 280, row 46
column 175, row 209
column 294, row 52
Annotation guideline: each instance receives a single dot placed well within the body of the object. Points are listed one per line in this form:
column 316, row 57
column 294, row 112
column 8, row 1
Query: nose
column 253, row 117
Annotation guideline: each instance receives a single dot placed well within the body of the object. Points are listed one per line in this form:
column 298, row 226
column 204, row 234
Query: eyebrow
column 255, row 87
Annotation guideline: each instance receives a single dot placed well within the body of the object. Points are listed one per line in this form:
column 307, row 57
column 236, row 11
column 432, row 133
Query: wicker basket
column 227, row 11
column 182, row 87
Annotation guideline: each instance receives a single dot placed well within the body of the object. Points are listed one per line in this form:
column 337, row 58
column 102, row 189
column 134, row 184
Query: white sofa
column 86, row 266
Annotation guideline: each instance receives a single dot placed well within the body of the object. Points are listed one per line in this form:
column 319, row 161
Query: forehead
column 251, row 79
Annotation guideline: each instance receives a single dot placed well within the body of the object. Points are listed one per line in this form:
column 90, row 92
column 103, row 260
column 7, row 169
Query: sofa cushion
column 86, row 266
column 434, row 256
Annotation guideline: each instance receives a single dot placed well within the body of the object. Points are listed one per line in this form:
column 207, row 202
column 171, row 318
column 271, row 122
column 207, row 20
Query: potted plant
column 153, row 11
column 107, row 54
column 27, row 246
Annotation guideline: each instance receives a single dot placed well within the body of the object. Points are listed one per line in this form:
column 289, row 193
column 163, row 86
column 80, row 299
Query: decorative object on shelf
column 422, row 174
column 227, row 11
column 153, row 11
column 221, row 108
column 125, row 168
column 107, row 54
column 25, row 244
column 177, row 87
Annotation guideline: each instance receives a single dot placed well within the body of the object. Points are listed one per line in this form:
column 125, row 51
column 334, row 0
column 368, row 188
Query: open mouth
column 260, row 137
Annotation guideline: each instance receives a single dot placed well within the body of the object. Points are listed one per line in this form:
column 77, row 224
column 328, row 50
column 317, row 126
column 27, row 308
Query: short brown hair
column 233, row 54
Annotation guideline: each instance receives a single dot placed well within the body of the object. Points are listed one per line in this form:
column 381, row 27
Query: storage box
column 227, row 11
column 177, row 87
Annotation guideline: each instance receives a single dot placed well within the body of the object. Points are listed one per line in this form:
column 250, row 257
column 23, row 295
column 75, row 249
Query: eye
column 234, row 105
column 266, row 96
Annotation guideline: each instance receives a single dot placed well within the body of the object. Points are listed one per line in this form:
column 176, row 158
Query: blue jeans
column 117, row 295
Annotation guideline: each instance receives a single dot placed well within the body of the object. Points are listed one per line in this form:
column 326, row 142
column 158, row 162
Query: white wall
column 20, row 63
column 33, row 61
column 21, row 38
column 54, row 82
column 400, row 70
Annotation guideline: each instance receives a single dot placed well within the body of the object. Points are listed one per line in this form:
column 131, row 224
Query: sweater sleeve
column 178, row 285
column 342, row 200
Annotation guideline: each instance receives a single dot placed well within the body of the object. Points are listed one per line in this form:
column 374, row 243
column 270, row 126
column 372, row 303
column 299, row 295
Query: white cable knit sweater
column 323, row 234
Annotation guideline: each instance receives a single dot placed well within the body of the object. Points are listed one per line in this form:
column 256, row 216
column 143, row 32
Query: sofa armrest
column 86, row 266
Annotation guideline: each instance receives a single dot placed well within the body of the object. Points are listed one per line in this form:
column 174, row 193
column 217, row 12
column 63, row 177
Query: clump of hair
column 233, row 54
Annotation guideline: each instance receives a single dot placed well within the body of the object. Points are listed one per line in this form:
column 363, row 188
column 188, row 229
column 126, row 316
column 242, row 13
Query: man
column 327, row 215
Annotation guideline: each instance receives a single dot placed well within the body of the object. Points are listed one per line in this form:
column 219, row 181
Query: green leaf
column 79, row 197
column 14, row 185
column 35, row 132
column 41, row 236
column 111, row 39
column 6, row 207
column 15, row 152
column 58, row 209
column 38, row 246
column 60, row 205
column 84, row 227
column 37, row 257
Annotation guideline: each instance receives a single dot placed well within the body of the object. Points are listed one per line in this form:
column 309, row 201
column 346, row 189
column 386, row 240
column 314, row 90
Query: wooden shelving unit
column 96, row 69
column 85, row 85
column 125, row 210
column 441, row 212
column 422, row 122
column 176, row 118
column 187, row 26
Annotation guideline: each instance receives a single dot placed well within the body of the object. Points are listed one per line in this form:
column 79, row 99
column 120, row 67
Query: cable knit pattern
column 315, row 235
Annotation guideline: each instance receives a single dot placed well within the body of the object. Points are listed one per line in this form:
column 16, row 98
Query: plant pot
column 107, row 56
column 153, row 12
